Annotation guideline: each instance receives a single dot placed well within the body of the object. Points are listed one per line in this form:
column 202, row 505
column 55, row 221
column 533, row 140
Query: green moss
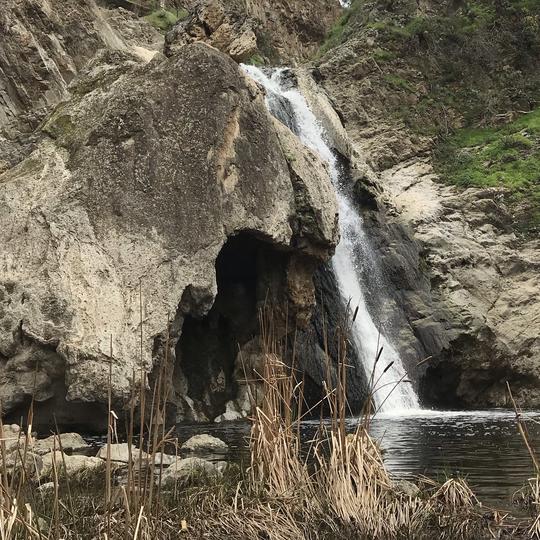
column 164, row 19
column 399, row 83
column 383, row 55
column 256, row 60
column 507, row 156
column 341, row 29
column 336, row 34
column 60, row 126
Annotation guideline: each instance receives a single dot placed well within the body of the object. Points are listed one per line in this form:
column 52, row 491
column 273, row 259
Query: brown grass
column 335, row 488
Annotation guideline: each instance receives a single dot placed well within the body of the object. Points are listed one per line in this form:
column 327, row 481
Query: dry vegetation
column 336, row 487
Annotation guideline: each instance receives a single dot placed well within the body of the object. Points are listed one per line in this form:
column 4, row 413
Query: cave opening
column 248, row 269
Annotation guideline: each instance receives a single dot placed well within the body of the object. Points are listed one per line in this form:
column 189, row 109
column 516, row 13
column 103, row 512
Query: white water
column 392, row 391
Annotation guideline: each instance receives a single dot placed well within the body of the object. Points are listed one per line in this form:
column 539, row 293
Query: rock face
column 463, row 286
column 44, row 45
column 116, row 223
column 479, row 315
column 281, row 31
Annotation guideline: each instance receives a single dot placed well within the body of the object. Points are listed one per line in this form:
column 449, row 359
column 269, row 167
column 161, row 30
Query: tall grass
column 335, row 486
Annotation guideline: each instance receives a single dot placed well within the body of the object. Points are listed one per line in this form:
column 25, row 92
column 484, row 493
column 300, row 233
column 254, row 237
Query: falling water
column 392, row 391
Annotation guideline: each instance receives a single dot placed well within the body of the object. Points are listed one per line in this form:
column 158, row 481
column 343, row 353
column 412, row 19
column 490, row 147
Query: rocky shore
column 68, row 454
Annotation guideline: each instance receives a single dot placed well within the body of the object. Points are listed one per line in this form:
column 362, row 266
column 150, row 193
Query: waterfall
column 392, row 391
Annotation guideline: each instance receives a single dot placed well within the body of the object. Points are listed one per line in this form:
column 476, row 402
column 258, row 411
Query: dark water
column 482, row 446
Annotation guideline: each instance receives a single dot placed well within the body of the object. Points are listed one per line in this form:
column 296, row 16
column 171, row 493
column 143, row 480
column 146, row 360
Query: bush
column 164, row 19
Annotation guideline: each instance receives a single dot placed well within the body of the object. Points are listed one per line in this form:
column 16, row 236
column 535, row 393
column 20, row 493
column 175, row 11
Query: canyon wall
column 157, row 195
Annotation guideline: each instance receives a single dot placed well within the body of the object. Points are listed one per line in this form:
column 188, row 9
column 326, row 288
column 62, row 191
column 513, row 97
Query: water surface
column 482, row 446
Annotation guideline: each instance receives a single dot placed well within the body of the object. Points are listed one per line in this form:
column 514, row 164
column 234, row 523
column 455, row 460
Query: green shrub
column 164, row 19
column 399, row 83
column 383, row 55
column 256, row 60
column 506, row 156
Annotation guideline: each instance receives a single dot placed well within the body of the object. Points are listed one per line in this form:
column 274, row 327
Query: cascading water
column 392, row 392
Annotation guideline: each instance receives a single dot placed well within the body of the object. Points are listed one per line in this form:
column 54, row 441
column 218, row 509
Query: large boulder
column 205, row 443
column 275, row 31
column 113, row 225
column 66, row 442
column 59, row 463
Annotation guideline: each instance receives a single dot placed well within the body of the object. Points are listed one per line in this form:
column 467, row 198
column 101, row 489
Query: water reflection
column 482, row 446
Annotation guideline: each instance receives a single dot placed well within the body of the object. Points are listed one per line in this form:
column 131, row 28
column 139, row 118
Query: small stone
column 186, row 469
column 70, row 464
column 70, row 442
column 205, row 443
column 47, row 486
column 164, row 459
column 405, row 487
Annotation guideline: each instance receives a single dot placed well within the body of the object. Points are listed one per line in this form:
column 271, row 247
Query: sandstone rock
column 481, row 294
column 127, row 195
column 188, row 469
column 120, row 452
column 69, row 465
column 204, row 443
column 46, row 487
column 45, row 43
column 11, row 437
column 165, row 459
column 18, row 460
column 68, row 442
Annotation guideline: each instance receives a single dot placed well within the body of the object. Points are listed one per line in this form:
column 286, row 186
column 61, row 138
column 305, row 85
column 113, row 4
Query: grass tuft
column 164, row 20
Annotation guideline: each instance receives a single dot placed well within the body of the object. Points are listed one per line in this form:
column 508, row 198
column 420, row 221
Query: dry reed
column 334, row 487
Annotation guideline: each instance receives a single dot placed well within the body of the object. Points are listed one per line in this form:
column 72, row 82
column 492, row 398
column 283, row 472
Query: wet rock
column 204, row 443
column 233, row 412
column 405, row 487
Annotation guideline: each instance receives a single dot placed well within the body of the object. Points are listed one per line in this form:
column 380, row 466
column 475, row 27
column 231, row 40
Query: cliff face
column 155, row 191
column 149, row 205
column 420, row 84
column 258, row 31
